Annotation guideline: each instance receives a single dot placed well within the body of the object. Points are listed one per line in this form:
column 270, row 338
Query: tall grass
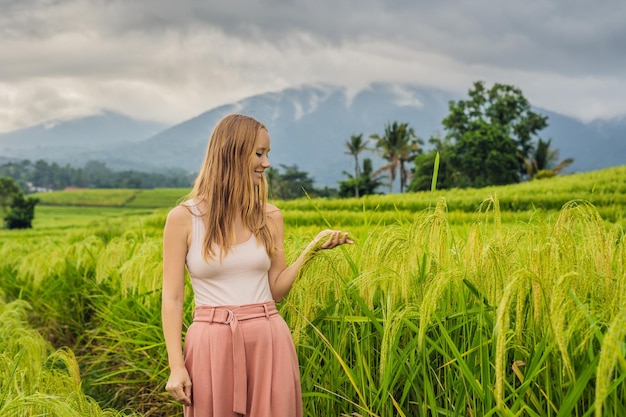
column 35, row 379
column 510, row 321
column 506, row 315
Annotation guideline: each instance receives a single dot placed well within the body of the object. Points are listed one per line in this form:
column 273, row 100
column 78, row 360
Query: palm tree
column 355, row 146
column 544, row 161
column 405, row 154
column 397, row 145
column 366, row 183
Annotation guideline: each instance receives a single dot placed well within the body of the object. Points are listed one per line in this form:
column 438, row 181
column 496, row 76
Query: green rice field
column 503, row 301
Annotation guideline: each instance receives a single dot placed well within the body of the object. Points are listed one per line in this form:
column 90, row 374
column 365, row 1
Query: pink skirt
column 242, row 362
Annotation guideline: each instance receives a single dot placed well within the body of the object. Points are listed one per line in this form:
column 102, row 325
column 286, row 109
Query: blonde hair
column 224, row 185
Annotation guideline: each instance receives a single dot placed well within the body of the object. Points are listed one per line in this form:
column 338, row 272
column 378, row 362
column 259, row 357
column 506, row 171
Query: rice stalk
column 564, row 321
column 433, row 298
column 613, row 349
column 502, row 333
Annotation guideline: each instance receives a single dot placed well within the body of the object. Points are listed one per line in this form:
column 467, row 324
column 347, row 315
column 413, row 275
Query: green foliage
column 542, row 173
column 18, row 211
column 36, row 379
column 21, row 212
column 544, row 161
column 425, row 165
column 8, row 189
column 356, row 145
column 489, row 139
column 485, row 156
column 95, row 174
column 397, row 145
column 293, row 183
column 364, row 184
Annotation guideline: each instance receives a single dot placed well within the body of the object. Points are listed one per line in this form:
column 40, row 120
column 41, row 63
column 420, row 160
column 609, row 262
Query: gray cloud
column 576, row 37
column 567, row 56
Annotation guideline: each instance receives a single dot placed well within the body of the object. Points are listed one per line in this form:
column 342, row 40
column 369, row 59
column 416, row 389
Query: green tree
column 492, row 134
column 18, row 211
column 97, row 174
column 8, row 190
column 21, row 212
column 485, row 156
column 355, row 146
column 397, row 145
column 271, row 176
column 290, row 184
column 407, row 152
column 366, row 183
column 424, row 165
column 20, row 172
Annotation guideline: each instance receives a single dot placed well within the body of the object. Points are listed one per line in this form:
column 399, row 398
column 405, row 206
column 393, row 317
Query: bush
column 21, row 212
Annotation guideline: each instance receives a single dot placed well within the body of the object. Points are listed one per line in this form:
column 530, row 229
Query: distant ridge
column 63, row 140
column 309, row 126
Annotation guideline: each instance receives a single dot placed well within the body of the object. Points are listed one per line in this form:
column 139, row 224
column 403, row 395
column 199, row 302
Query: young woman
column 238, row 357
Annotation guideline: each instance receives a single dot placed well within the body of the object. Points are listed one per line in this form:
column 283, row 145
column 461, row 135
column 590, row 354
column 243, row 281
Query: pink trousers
column 242, row 362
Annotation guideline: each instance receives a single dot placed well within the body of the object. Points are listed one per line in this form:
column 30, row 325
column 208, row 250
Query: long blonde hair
column 224, row 185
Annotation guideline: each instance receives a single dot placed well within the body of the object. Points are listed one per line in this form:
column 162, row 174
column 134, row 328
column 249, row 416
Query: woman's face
column 260, row 161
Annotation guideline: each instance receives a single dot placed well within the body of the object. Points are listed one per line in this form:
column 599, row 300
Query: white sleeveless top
column 240, row 278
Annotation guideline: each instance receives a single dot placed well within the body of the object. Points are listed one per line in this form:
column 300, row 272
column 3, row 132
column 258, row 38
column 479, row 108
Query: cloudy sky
column 170, row 60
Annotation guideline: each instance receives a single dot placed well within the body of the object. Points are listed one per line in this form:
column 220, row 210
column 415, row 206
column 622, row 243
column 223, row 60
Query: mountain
column 75, row 141
column 309, row 127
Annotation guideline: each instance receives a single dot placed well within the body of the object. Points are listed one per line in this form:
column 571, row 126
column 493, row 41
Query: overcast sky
column 170, row 60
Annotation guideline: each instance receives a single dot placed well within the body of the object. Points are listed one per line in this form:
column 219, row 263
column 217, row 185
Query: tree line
column 43, row 176
column 491, row 138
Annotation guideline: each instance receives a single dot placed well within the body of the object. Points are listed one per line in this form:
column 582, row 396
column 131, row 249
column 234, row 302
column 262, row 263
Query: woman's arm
column 175, row 236
column 281, row 276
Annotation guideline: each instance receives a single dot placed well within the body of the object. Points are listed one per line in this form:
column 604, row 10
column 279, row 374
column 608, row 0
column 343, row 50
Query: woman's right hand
column 179, row 386
column 335, row 238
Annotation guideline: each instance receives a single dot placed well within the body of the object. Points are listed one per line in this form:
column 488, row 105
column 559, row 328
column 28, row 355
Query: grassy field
column 508, row 301
column 605, row 189
column 131, row 198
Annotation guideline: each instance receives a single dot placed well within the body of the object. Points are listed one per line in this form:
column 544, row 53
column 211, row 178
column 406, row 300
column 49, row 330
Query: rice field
column 37, row 379
column 508, row 301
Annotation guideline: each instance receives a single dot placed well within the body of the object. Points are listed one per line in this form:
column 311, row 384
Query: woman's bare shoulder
column 179, row 214
column 272, row 210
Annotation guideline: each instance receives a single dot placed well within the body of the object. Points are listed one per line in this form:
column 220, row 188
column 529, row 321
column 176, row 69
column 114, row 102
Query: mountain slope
column 62, row 140
column 594, row 145
column 308, row 126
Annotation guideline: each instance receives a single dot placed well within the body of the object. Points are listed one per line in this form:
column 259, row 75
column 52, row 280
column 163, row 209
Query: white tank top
column 240, row 278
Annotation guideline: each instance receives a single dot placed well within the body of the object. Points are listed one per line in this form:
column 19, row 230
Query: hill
column 75, row 141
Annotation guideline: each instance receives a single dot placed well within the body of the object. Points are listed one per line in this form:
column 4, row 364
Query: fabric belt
column 232, row 315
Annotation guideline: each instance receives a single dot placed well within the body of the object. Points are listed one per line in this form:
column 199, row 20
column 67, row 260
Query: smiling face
column 260, row 161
